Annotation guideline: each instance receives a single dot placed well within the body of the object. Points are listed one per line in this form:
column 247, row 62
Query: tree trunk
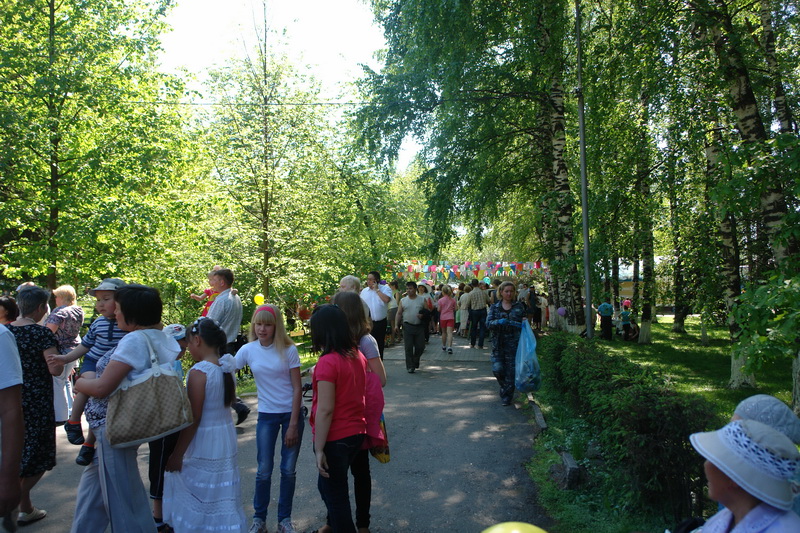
column 635, row 297
column 54, row 159
column 730, row 254
column 646, row 225
column 796, row 384
column 569, row 290
column 615, row 281
column 750, row 125
column 678, row 281
column 782, row 109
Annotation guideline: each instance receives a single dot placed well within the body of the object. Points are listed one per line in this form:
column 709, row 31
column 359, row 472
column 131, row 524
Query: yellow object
column 514, row 527
column 258, row 299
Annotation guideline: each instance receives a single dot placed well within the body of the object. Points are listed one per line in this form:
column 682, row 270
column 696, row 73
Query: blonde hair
column 269, row 314
column 353, row 307
column 447, row 290
column 66, row 293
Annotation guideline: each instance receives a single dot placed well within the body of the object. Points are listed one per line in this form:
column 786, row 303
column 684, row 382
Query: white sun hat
column 756, row 457
column 770, row 411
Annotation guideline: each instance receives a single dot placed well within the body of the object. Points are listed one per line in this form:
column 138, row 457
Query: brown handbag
column 149, row 407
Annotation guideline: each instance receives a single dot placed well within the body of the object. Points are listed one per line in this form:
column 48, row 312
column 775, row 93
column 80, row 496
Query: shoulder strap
column 153, row 356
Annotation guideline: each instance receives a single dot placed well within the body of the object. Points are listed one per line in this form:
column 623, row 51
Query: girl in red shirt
column 337, row 411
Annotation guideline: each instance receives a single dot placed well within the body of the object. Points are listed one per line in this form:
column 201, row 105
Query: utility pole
column 584, row 184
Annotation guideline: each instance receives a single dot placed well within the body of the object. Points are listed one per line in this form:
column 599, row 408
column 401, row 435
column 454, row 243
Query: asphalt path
column 457, row 456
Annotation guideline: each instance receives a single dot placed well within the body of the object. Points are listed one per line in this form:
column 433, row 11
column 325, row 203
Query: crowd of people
column 193, row 474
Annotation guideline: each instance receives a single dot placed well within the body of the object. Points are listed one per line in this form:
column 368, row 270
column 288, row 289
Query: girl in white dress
column 201, row 484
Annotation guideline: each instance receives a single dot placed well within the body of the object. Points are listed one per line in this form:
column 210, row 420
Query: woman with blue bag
column 505, row 321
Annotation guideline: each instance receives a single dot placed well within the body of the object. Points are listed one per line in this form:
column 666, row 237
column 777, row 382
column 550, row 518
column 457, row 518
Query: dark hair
column 411, row 284
column 394, row 284
column 10, row 305
column 330, row 331
column 208, row 330
column 140, row 304
column 226, row 274
column 474, row 282
column 30, row 298
column 375, row 274
column 353, row 307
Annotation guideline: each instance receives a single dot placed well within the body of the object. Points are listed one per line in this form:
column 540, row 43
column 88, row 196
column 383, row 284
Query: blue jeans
column 267, row 430
column 334, row 490
column 478, row 319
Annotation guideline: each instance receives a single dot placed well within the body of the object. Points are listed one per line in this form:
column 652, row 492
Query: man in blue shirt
column 606, row 311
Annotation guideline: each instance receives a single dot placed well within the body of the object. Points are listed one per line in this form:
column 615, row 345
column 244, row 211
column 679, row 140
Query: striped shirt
column 102, row 336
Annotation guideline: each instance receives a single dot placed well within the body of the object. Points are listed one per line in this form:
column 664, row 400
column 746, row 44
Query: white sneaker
column 259, row 526
column 286, row 526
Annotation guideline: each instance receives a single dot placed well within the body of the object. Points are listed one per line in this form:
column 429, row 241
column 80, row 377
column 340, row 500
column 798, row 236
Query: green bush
column 640, row 422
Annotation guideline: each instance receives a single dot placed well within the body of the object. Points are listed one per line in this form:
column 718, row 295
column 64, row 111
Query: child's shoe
column 85, row 456
column 74, row 433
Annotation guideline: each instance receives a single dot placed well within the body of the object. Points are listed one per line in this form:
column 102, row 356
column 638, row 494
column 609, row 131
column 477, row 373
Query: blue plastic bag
column 528, row 375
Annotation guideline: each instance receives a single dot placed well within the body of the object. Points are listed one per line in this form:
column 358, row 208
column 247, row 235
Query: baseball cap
column 176, row 331
column 108, row 284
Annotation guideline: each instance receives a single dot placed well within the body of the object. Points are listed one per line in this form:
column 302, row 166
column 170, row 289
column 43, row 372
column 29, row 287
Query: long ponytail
column 208, row 330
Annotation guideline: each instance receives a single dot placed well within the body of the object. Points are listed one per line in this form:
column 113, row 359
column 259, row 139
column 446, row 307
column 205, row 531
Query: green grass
column 600, row 504
column 702, row 370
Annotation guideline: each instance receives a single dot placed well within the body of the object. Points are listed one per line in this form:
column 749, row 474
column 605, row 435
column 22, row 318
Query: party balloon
column 562, row 311
column 487, row 280
column 514, row 527
column 258, row 299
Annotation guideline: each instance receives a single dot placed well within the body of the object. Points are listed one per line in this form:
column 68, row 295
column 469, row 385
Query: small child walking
column 202, row 489
column 273, row 358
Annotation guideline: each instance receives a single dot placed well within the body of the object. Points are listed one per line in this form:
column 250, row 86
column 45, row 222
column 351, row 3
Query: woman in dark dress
column 35, row 343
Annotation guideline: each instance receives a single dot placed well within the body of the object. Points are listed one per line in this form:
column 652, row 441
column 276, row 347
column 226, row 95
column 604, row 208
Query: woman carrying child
column 201, row 484
column 272, row 357
column 337, row 411
column 111, row 490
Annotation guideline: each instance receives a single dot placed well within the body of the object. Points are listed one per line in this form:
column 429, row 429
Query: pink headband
column 267, row 308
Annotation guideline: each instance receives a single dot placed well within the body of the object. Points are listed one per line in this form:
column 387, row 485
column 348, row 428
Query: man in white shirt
column 377, row 297
column 12, row 428
column 226, row 310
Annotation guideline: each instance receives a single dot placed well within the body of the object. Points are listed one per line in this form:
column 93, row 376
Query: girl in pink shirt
column 447, row 317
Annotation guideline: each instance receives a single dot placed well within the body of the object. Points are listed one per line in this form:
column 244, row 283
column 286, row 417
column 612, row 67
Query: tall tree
column 80, row 142
column 489, row 76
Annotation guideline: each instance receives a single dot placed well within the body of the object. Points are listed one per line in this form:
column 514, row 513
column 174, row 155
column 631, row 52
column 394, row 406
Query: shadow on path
column 457, row 456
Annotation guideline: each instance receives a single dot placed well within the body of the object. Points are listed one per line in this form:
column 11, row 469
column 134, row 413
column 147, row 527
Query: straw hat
column 756, row 457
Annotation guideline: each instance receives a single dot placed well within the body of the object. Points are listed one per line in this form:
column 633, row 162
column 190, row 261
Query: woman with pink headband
column 272, row 357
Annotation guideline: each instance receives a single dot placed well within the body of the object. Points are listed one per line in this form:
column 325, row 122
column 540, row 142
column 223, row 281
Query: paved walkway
column 457, row 462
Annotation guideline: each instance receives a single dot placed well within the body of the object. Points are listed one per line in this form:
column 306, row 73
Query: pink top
column 349, row 377
column 447, row 308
